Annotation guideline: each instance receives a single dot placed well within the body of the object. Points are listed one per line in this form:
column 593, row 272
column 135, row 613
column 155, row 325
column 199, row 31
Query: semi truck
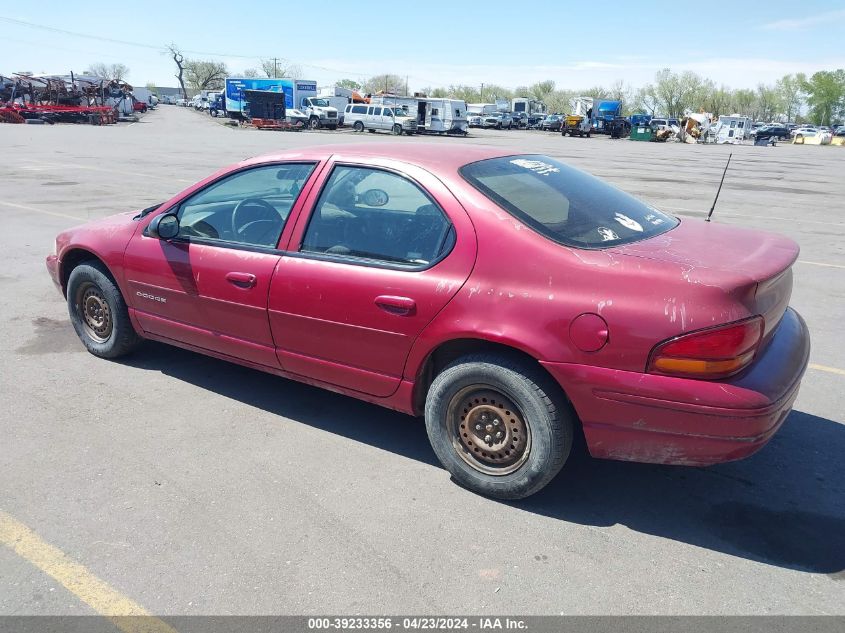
column 299, row 94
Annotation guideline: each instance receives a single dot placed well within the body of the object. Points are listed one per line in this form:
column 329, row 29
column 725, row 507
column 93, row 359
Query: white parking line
column 25, row 207
column 804, row 261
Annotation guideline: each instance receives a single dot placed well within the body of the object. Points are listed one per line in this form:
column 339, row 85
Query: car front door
column 208, row 286
column 380, row 254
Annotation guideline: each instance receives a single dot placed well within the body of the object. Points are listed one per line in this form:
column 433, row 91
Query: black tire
column 314, row 123
column 359, row 126
column 90, row 288
column 397, row 129
column 539, row 409
column 332, row 127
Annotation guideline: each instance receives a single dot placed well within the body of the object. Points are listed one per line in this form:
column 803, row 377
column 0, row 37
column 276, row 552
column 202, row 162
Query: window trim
column 296, row 250
column 243, row 246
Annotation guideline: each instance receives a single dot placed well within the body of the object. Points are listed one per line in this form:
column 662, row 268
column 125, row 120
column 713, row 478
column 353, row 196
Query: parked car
column 498, row 120
column 769, row 131
column 552, row 123
column 139, row 106
column 806, row 130
column 474, row 119
column 371, row 118
column 535, row 121
column 520, row 119
column 664, row 123
column 378, row 271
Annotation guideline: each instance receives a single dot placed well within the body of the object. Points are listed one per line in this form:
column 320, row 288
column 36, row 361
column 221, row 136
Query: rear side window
column 359, row 109
column 564, row 204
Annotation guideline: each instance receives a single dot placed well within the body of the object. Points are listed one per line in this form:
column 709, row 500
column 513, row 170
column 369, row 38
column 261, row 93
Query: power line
column 165, row 49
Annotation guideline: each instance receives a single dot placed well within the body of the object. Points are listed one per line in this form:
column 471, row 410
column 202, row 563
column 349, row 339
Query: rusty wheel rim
column 488, row 430
column 92, row 307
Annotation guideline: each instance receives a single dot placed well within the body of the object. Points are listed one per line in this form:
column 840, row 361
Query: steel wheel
column 488, row 430
column 95, row 313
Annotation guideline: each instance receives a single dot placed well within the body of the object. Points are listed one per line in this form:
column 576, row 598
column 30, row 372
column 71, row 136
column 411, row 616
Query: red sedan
column 511, row 299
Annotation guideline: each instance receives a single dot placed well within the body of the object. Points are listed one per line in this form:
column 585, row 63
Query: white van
column 376, row 117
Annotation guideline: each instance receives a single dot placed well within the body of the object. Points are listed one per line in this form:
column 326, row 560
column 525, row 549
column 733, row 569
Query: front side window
column 564, row 204
column 248, row 207
column 376, row 215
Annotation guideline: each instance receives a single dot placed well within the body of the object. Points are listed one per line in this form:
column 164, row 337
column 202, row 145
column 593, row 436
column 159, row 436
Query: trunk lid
column 753, row 266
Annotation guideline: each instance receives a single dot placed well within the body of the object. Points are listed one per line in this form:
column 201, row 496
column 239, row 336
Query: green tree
column 393, row 84
column 541, row 90
column 470, row 94
column 791, row 89
column 826, row 95
column 769, row 103
column 349, row 84
column 742, row 101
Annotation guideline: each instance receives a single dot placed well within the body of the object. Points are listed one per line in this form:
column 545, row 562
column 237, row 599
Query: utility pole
column 275, row 71
column 481, row 94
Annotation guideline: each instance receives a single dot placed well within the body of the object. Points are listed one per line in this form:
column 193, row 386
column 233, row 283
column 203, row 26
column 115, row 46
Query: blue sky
column 508, row 43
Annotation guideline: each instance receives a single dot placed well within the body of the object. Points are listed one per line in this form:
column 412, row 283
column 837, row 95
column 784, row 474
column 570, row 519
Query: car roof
column 435, row 157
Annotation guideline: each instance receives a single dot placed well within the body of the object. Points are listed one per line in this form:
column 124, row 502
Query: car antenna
column 719, row 190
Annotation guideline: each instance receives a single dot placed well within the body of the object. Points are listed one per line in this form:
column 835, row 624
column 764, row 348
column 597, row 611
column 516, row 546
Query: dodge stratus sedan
column 510, row 299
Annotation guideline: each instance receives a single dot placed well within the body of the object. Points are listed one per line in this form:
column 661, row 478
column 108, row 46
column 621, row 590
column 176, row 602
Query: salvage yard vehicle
column 552, row 123
column 510, row 299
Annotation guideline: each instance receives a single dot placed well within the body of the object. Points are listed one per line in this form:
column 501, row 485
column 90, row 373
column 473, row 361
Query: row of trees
column 819, row 98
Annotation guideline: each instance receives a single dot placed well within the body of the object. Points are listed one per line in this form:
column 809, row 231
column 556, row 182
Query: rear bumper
column 659, row 419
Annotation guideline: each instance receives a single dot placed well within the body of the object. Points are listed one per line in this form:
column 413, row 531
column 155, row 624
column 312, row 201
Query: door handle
column 241, row 280
column 402, row 306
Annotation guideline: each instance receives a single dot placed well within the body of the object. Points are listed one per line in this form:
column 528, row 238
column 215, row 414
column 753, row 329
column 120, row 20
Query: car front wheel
column 498, row 425
column 98, row 312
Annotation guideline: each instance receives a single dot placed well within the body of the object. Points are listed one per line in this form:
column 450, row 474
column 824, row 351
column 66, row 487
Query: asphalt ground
column 172, row 483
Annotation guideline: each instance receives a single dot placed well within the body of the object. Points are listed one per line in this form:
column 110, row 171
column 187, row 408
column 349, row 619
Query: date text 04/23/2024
column 418, row 623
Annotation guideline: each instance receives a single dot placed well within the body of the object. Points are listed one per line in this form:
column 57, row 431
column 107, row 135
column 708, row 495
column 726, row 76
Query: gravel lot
column 194, row 486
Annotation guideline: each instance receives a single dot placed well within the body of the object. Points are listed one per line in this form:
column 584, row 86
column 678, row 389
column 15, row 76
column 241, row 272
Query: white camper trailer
column 732, row 129
column 442, row 116
column 435, row 115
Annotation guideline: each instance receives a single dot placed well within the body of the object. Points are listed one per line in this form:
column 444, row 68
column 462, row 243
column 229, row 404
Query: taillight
column 716, row 352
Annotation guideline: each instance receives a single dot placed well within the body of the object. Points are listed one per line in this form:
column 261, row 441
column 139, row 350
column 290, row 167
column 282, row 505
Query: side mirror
column 164, row 227
column 375, row 198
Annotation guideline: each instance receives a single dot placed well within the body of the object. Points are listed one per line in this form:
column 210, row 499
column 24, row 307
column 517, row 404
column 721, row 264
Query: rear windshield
column 564, row 204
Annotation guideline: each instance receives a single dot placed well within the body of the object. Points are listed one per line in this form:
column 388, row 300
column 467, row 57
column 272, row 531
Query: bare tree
column 205, row 74
column 279, row 67
column 179, row 60
column 117, row 72
column 250, row 73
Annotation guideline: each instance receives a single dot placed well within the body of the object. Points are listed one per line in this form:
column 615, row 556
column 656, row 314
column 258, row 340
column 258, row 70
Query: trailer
column 527, row 106
column 299, row 93
column 433, row 115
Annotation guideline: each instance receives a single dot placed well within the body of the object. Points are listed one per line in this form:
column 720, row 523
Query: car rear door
column 365, row 273
column 208, row 286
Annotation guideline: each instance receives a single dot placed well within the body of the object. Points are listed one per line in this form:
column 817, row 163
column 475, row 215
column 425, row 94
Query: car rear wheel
column 358, row 127
column 98, row 312
column 498, row 425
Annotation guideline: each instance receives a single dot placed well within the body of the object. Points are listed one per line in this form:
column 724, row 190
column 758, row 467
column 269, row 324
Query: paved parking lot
column 192, row 486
